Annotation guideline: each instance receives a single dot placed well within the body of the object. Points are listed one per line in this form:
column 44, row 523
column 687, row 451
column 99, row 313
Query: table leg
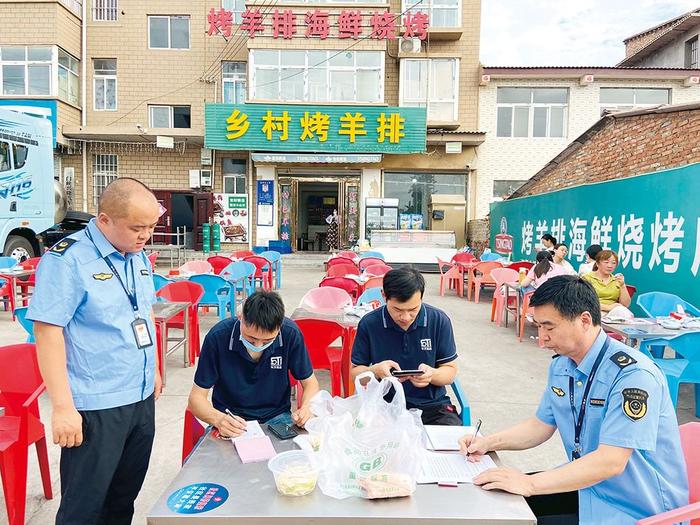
column 518, row 313
column 346, row 362
column 506, row 293
column 13, row 294
column 163, row 348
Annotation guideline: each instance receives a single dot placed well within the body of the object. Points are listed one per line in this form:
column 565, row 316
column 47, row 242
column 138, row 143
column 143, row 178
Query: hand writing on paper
column 230, row 426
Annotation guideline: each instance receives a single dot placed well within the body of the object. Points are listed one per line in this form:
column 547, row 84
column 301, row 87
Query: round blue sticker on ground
column 196, row 498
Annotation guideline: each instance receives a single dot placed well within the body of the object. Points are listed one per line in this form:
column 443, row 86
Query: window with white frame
column 104, row 171
column 691, row 53
column 441, row 13
column 237, row 7
column 431, row 83
column 68, row 77
column 234, row 82
column 104, row 10
column 531, row 112
column 26, row 70
column 317, row 76
column 169, row 32
column 234, row 171
column 169, row 117
column 105, row 84
column 623, row 99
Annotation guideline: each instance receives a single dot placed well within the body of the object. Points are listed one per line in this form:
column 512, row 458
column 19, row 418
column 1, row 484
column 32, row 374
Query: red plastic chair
column 452, row 277
column 521, row 264
column 318, row 336
column 377, row 270
column 347, row 254
column 191, row 434
column 524, row 307
column 369, row 261
column 341, row 270
column 29, row 264
column 501, row 276
column 242, row 254
column 185, row 291
column 326, row 298
column 152, row 258
column 463, row 257
column 197, row 267
column 218, row 263
column 631, row 290
column 481, row 276
column 344, row 283
column 690, row 437
column 339, row 260
column 375, row 282
column 6, row 295
column 263, row 270
column 21, row 426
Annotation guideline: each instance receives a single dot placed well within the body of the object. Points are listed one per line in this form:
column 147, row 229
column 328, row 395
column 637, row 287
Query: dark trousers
column 101, row 478
column 555, row 509
column 441, row 415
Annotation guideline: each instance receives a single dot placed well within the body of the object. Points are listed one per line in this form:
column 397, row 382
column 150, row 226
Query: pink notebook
column 254, row 449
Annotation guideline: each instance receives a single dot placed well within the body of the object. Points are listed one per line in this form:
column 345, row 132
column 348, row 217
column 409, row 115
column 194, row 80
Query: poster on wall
column 266, row 202
column 353, row 213
column 231, row 214
column 286, row 211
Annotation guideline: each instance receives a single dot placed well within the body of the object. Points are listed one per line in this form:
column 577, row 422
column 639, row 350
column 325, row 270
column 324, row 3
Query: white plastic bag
column 370, row 448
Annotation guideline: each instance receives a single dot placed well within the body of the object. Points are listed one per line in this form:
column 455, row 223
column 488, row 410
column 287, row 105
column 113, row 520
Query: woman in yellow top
column 611, row 289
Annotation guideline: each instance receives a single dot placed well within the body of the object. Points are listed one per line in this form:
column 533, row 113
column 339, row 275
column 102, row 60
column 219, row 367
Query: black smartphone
column 282, row 431
column 406, row 373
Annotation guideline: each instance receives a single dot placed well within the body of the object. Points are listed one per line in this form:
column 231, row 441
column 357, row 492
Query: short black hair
column 264, row 310
column 570, row 296
column 401, row 284
column 549, row 237
column 593, row 250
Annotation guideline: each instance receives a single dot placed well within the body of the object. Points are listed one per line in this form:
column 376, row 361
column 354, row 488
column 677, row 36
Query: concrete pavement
column 502, row 378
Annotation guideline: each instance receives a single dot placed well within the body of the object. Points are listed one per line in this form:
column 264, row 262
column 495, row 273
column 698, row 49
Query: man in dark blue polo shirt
column 247, row 363
column 408, row 334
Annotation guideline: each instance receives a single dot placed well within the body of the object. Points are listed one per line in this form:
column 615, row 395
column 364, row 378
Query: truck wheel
column 19, row 248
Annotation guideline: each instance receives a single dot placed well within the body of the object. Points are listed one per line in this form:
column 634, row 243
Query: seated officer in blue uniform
column 407, row 334
column 94, row 334
column 247, row 364
column 613, row 411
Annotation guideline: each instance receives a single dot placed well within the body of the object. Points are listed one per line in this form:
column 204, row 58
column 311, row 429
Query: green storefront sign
column 308, row 128
column 237, row 201
column 652, row 221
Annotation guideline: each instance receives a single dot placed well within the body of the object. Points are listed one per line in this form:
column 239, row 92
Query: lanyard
column 578, row 421
column 131, row 295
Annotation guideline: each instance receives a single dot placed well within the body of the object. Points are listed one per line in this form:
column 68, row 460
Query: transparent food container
column 295, row 472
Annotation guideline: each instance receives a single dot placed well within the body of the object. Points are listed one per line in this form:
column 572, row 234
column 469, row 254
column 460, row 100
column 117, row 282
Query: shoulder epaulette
column 62, row 246
column 622, row 359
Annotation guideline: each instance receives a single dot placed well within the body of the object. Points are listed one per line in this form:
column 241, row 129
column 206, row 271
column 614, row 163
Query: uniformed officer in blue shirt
column 94, row 335
column 407, row 334
column 247, row 364
column 613, row 411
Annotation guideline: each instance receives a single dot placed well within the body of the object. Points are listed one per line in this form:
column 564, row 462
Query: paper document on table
column 441, row 437
column 438, row 467
column 253, row 429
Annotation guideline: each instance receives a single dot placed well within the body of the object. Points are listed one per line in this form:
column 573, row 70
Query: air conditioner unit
column 409, row 45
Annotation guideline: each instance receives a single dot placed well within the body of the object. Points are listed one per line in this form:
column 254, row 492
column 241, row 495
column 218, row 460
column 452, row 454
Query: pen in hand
column 235, row 417
column 476, row 432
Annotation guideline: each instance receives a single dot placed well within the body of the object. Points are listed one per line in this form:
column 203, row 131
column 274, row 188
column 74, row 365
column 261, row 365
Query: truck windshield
column 4, row 156
column 20, row 154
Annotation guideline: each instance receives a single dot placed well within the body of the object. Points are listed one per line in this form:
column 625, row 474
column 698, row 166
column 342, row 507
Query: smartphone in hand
column 406, row 373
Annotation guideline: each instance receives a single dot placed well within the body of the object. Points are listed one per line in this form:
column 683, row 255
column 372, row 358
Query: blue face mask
column 250, row 346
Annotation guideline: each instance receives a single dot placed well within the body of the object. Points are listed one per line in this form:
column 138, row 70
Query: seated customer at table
column 247, row 364
column 625, row 457
column 407, row 334
column 591, row 252
column 611, row 289
column 559, row 259
column 543, row 270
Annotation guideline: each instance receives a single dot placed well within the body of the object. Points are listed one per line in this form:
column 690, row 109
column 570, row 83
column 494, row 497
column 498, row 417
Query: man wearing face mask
column 247, row 364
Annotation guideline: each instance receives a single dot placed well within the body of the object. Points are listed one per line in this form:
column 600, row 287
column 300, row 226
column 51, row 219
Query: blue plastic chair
column 217, row 292
column 661, row 304
column 27, row 324
column 685, row 368
column 8, row 262
column 159, row 281
column 242, row 273
column 371, row 294
column 463, row 402
column 276, row 260
column 371, row 254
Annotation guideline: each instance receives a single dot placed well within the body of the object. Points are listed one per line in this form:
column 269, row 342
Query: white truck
column 32, row 204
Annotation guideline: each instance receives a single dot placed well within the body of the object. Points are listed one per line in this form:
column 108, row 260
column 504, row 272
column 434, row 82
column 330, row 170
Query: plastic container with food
column 314, row 427
column 295, row 472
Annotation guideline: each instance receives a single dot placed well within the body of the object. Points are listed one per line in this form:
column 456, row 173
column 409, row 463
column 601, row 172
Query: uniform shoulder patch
column 634, row 403
column 144, row 272
column 622, row 359
column 61, row 246
column 558, row 391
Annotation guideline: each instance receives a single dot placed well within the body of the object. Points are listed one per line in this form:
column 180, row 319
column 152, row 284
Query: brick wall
column 637, row 43
column 625, row 147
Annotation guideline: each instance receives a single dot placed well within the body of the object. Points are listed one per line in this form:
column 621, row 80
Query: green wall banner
column 652, row 221
column 306, row 128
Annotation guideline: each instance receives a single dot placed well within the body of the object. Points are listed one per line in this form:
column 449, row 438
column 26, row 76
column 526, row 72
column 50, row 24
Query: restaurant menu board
column 231, row 214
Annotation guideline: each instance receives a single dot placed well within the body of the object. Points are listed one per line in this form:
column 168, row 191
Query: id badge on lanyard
column 142, row 334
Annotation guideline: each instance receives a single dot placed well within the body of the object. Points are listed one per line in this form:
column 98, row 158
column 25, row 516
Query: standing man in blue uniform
column 407, row 334
column 95, row 344
column 613, row 411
